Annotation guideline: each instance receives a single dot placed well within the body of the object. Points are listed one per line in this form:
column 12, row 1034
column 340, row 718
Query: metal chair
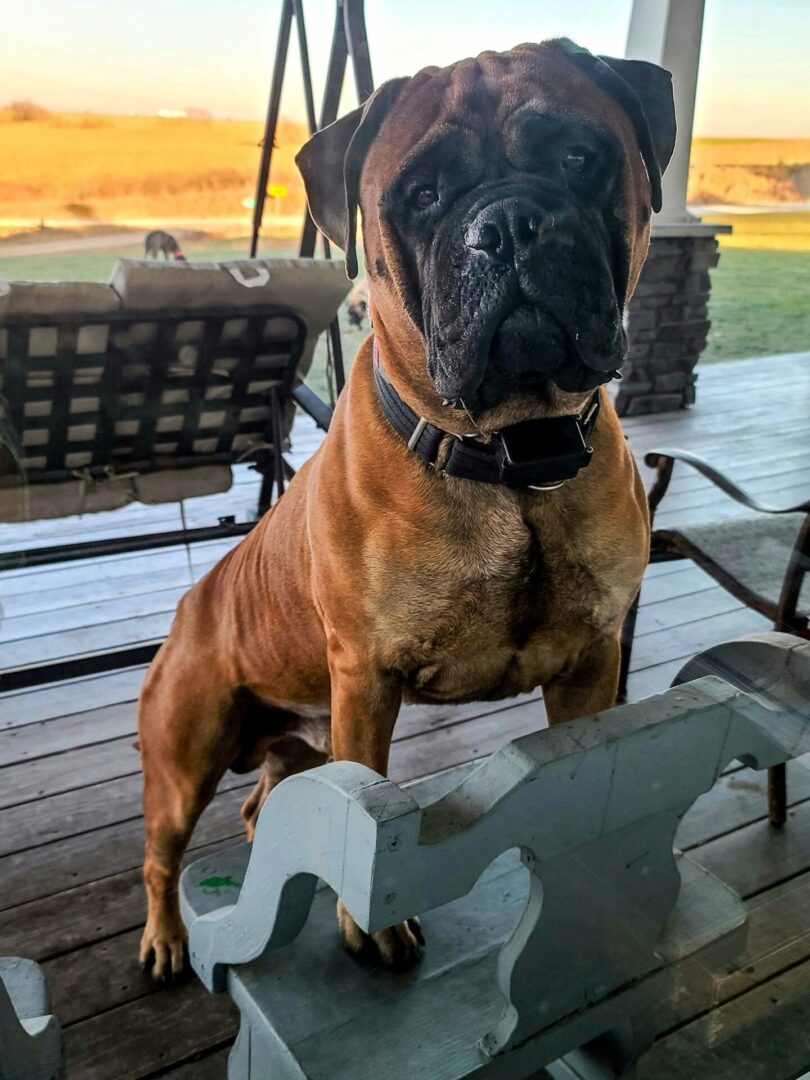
column 761, row 558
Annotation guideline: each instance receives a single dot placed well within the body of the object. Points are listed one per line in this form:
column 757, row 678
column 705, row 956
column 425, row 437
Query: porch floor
column 70, row 827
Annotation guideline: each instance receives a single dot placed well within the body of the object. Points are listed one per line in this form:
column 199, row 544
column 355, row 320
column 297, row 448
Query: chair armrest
column 664, row 460
column 314, row 406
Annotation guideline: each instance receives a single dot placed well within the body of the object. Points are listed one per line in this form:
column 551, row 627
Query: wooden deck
column 70, row 826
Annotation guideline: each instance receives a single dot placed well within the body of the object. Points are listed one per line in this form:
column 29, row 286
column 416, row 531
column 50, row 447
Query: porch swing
column 151, row 387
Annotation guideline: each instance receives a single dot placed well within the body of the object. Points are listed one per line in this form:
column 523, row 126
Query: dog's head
column 506, row 203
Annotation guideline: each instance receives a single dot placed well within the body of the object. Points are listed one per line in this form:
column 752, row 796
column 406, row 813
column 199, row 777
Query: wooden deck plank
column 745, row 467
column 681, row 611
column 761, row 1035
column 102, row 587
column 117, row 979
column 661, row 646
column 685, row 579
column 86, row 639
column 64, row 772
column 136, row 1039
column 78, row 916
column 153, row 593
column 756, row 857
column 64, row 699
column 778, row 937
column 648, row 650
column 128, row 521
column 738, row 799
column 100, row 853
column 213, row 1066
column 84, row 810
column 89, row 615
column 33, row 741
column 782, row 497
column 653, row 679
column 775, row 489
column 55, row 576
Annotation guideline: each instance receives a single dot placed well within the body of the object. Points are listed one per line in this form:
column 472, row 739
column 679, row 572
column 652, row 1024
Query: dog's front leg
column 365, row 704
column 590, row 687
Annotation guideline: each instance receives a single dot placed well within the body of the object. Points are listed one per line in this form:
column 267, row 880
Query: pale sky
column 142, row 55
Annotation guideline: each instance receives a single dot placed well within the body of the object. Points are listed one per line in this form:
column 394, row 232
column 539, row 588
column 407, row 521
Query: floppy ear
column 653, row 87
column 644, row 91
column 331, row 164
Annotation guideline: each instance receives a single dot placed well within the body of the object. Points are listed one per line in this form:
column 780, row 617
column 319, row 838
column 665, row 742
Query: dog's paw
column 163, row 951
column 398, row 947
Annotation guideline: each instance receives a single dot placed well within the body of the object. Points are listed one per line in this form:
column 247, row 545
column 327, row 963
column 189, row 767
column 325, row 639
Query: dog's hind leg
column 289, row 755
column 187, row 740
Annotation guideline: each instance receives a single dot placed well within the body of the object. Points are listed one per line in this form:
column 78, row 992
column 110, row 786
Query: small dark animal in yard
column 357, row 303
column 159, row 243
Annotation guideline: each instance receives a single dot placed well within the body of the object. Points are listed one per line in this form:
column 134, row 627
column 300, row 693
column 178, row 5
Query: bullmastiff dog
column 474, row 525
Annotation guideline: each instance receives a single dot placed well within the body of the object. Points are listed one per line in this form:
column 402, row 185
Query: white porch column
column 668, row 32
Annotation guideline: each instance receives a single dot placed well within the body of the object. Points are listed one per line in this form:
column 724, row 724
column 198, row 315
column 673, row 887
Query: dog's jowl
column 474, row 525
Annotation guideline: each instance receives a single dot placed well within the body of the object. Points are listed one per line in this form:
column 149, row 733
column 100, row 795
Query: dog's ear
column 644, row 91
column 331, row 164
column 652, row 86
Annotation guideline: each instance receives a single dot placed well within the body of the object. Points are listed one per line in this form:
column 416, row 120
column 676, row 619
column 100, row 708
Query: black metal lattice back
column 141, row 391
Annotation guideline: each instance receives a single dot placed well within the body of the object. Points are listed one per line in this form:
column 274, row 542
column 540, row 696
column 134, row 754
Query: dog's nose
column 506, row 230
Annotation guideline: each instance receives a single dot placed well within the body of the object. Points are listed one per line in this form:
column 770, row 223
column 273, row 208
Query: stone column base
column 668, row 320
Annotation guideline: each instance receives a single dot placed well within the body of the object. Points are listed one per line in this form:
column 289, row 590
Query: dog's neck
column 539, row 455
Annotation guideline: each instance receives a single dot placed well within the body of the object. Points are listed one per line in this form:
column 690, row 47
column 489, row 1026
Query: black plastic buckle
column 542, row 453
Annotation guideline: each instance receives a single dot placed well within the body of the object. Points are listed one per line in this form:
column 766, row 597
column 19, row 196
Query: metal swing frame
column 349, row 40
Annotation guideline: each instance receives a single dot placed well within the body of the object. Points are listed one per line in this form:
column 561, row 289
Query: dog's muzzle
column 522, row 294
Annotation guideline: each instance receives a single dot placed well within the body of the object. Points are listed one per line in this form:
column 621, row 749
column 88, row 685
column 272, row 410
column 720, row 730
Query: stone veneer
column 668, row 321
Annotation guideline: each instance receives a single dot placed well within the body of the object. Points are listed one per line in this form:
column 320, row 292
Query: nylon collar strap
column 535, row 454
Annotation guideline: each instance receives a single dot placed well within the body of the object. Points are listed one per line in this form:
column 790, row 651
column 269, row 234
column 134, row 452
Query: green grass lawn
column 760, row 302
column 97, row 265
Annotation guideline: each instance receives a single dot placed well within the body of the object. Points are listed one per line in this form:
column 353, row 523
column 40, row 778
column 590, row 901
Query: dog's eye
column 575, row 160
column 424, row 197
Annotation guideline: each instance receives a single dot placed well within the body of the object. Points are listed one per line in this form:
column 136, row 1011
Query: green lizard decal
column 214, row 884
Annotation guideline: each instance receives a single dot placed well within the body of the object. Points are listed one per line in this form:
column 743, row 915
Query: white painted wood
column 669, row 32
column 612, row 922
column 30, row 1041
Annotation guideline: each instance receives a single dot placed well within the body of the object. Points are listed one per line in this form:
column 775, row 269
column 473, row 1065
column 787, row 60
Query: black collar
column 534, row 454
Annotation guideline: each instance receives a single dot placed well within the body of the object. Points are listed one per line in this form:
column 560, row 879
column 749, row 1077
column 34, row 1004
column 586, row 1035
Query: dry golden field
column 85, row 168
column 109, row 168
column 750, row 171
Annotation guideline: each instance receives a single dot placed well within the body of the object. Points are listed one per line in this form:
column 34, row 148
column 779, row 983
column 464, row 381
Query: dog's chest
column 487, row 620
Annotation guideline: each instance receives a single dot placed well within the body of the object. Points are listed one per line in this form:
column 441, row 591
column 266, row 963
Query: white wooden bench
column 567, row 956
column 30, row 1041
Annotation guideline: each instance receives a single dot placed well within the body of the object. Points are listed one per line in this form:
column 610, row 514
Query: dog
column 159, row 243
column 357, row 303
column 469, row 529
